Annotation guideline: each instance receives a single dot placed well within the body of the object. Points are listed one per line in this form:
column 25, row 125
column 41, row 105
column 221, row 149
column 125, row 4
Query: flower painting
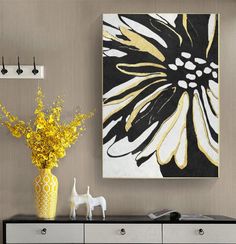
column 160, row 95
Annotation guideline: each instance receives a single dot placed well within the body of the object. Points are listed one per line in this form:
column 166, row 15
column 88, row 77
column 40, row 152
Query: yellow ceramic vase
column 46, row 188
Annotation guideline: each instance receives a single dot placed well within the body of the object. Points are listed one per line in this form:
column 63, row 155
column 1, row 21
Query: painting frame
column 114, row 176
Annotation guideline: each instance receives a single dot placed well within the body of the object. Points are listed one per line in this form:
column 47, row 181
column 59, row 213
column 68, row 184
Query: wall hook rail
column 20, row 71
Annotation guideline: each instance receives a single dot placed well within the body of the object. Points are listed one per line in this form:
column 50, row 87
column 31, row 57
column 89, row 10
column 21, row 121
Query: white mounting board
column 27, row 72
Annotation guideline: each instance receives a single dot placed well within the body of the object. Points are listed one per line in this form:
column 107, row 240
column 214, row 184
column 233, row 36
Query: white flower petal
column 170, row 141
column 115, row 53
column 214, row 101
column 211, row 26
column 156, row 16
column 143, row 30
column 214, row 88
column 152, row 146
column 201, row 133
column 113, row 19
column 106, row 39
column 170, row 18
column 181, row 154
column 111, row 30
column 155, row 92
column 110, row 126
column 111, row 108
column 122, row 87
column 145, row 107
column 212, row 142
column 212, row 118
column 124, row 146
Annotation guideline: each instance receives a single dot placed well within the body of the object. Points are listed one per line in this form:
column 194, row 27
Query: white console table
column 117, row 229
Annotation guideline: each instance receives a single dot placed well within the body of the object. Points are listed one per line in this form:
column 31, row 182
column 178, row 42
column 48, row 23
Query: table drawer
column 44, row 233
column 123, row 233
column 199, row 233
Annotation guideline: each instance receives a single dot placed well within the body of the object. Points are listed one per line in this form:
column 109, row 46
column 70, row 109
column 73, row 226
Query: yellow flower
column 48, row 137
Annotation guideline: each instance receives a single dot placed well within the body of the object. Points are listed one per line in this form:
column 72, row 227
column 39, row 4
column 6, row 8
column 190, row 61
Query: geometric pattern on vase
column 46, row 190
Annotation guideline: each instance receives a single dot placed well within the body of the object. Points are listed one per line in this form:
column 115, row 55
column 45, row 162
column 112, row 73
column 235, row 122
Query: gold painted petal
column 136, row 69
column 201, row 133
column 211, row 32
column 185, row 25
column 137, row 41
column 142, row 44
column 181, row 156
column 214, row 101
column 172, row 136
column 142, row 104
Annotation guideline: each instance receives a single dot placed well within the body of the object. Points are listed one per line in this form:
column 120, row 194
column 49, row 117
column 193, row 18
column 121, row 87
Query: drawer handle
column 122, row 231
column 44, row 231
column 201, row 232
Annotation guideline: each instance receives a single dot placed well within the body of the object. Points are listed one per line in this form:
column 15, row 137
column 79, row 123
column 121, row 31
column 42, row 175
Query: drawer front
column 44, row 233
column 123, row 233
column 199, row 233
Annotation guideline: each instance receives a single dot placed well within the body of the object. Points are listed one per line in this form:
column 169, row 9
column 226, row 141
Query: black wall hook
column 4, row 70
column 19, row 70
column 34, row 71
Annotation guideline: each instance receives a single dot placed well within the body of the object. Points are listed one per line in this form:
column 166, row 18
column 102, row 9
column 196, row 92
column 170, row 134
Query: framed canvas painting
column 160, row 96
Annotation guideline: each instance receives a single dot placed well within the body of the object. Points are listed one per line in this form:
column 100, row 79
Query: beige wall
column 65, row 36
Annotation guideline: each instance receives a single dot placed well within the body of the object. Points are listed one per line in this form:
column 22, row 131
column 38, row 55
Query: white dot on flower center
column 207, row 70
column 199, row 73
column 173, row 66
column 214, row 74
column 190, row 66
column 191, row 76
column 213, row 65
column 179, row 62
column 182, row 84
column 192, row 84
column 185, row 55
column 200, row 60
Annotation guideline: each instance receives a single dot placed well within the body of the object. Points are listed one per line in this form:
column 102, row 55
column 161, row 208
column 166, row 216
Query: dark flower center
column 189, row 72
